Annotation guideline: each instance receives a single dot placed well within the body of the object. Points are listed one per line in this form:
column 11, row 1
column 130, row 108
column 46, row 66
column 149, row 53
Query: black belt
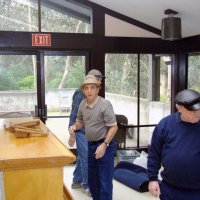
column 97, row 142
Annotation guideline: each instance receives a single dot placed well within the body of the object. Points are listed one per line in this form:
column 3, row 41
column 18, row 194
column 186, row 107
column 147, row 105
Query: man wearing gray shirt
column 96, row 115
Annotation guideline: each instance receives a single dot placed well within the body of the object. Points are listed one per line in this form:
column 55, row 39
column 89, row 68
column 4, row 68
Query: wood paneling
column 32, row 184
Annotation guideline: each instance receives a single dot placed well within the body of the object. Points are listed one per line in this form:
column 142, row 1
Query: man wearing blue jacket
column 175, row 146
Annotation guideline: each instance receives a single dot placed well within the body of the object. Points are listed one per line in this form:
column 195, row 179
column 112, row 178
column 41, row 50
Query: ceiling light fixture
column 171, row 26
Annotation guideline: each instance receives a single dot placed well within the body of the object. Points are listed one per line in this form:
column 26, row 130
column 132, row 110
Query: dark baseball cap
column 189, row 98
column 96, row 73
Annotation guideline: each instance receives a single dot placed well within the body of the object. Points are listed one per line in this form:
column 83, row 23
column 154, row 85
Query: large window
column 18, row 94
column 18, row 15
column 194, row 72
column 56, row 16
column 63, row 75
column 139, row 87
column 65, row 16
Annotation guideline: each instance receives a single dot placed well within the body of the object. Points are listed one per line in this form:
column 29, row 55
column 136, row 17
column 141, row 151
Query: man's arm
column 154, row 155
column 102, row 148
column 111, row 133
column 76, row 100
column 154, row 162
column 76, row 126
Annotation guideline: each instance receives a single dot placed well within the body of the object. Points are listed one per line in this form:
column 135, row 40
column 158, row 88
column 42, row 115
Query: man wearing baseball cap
column 80, row 174
column 96, row 73
column 175, row 145
column 97, row 116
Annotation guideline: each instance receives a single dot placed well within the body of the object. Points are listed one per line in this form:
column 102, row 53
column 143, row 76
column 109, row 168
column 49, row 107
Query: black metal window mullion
column 138, row 102
column 40, row 107
column 39, row 16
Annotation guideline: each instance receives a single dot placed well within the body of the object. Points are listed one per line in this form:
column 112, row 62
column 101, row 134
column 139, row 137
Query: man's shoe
column 76, row 185
column 86, row 191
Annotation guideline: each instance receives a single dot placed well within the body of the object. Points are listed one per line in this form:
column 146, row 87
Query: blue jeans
column 169, row 192
column 80, row 174
column 100, row 172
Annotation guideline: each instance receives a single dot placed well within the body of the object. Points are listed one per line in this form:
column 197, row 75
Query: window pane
column 18, row 85
column 131, row 138
column 144, row 137
column 158, row 101
column 18, row 15
column 63, row 75
column 145, row 87
column 194, row 72
column 155, row 89
column 121, row 84
column 65, row 16
column 122, row 72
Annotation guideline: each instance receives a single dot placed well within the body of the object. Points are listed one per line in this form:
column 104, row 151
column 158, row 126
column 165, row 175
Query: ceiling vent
column 171, row 26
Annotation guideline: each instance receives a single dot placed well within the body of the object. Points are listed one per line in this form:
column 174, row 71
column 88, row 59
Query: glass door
column 18, row 89
column 64, row 73
column 23, row 93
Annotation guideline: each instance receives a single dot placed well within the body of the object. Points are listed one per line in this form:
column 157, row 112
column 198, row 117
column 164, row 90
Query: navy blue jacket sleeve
column 76, row 100
column 154, row 154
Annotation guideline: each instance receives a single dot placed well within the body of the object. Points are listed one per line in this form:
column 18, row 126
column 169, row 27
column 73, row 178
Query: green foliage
column 7, row 81
column 76, row 76
column 122, row 72
column 55, row 69
column 16, row 72
column 23, row 16
column 18, row 16
column 26, row 83
column 194, row 72
column 54, row 83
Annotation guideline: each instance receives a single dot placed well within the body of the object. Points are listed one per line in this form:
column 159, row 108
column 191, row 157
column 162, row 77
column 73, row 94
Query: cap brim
column 82, row 86
column 100, row 76
column 193, row 107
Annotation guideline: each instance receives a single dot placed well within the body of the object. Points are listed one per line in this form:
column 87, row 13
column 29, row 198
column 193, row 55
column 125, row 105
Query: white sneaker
column 86, row 191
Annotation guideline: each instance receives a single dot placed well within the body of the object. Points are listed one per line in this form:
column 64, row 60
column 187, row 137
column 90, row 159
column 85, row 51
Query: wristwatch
column 106, row 143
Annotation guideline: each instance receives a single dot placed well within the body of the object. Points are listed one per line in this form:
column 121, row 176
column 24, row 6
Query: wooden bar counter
column 32, row 167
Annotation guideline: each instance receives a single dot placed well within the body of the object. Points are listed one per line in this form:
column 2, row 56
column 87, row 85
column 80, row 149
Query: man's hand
column 154, row 188
column 72, row 129
column 100, row 151
column 71, row 140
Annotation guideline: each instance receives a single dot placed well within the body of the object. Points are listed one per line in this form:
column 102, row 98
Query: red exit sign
column 41, row 39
